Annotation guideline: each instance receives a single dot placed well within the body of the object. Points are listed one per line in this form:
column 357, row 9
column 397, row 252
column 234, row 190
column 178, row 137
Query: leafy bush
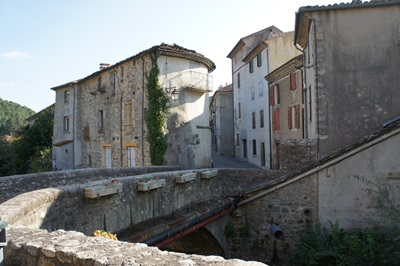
column 368, row 246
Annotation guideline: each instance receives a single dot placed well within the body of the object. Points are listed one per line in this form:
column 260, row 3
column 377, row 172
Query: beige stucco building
column 100, row 120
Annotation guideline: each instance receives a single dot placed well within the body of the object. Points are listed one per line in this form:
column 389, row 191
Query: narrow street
column 221, row 161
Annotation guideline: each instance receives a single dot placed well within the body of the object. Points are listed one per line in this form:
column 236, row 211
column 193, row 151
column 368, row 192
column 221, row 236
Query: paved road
column 221, row 161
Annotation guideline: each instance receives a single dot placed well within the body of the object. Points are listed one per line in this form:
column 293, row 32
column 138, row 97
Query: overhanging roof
column 302, row 22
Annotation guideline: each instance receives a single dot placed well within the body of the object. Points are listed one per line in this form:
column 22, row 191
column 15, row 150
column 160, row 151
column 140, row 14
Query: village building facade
column 100, row 120
column 351, row 67
column 254, row 57
column 221, row 109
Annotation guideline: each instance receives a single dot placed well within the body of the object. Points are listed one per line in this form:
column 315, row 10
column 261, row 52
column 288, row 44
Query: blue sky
column 46, row 43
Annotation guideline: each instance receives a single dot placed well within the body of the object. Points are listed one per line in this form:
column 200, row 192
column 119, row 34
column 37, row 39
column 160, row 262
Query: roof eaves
column 341, row 6
column 285, row 69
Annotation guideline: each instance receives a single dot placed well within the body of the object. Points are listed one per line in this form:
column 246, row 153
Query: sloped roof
column 257, row 37
column 162, row 49
column 302, row 23
column 227, row 88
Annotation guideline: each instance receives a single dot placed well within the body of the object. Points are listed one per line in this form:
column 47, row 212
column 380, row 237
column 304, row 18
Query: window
column 254, row 147
column 274, row 95
column 310, row 102
column 239, row 111
column 253, row 120
column 251, row 66
column 128, row 114
column 101, row 119
column 261, row 118
column 294, row 117
column 238, row 80
column 293, row 85
column 107, row 156
column 244, row 148
column 259, row 61
column 237, row 139
column 113, row 83
column 66, row 123
column 131, row 156
column 99, row 84
column 66, row 96
column 276, row 120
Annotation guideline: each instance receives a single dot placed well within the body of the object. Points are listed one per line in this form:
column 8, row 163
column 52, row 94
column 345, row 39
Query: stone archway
column 200, row 242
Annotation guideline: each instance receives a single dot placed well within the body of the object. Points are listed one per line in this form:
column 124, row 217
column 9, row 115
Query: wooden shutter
column 290, row 117
column 271, row 96
column 276, row 123
column 292, row 81
column 297, row 116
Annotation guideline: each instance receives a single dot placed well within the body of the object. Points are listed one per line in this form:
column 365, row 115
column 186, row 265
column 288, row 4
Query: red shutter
column 271, row 96
column 292, row 81
column 290, row 117
column 297, row 116
column 276, row 122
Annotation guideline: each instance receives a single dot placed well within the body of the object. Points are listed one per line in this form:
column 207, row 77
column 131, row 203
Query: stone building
column 221, row 109
column 100, row 119
column 254, row 57
column 351, row 61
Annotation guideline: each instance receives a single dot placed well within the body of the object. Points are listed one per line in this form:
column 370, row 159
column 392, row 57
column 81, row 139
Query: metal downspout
column 74, row 127
column 142, row 140
column 316, row 85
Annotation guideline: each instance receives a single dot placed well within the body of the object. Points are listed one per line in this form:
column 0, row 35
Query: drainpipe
column 305, row 94
column 142, row 110
column 316, row 84
column 74, row 126
column 121, row 125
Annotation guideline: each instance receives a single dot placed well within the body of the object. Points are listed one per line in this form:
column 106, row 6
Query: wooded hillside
column 13, row 117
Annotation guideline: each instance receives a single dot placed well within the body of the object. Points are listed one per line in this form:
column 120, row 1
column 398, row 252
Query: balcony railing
column 193, row 80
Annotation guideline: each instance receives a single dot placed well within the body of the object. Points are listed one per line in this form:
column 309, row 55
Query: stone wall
column 32, row 247
column 11, row 186
column 67, row 208
column 297, row 153
column 292, row 207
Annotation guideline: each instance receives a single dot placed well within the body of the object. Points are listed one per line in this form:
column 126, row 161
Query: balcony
column 192, row 80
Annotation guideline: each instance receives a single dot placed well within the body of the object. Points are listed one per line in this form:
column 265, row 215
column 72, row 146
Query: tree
column 13, row 117
column 7, row 158
column 157, row 114
column 33, row 149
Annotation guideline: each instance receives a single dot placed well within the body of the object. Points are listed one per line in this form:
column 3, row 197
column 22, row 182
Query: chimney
column 104, row 65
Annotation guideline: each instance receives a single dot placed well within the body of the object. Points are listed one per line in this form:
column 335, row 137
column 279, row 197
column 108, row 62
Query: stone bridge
column 142, row 207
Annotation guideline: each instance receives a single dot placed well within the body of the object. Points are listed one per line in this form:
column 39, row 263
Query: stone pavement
column 221, row 161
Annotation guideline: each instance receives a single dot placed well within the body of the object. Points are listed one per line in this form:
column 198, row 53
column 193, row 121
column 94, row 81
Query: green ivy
column 156, row 115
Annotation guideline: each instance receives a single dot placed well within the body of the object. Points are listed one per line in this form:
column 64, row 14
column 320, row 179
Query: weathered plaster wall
column 343, row 198
column 281, row 50
column 357, row 72
column 64, row 109
column 188, row 144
